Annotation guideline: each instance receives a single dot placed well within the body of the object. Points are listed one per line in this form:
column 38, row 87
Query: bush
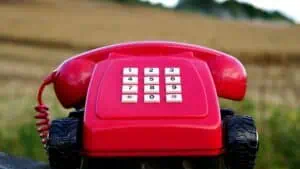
column 284, row 136
column 26, row 143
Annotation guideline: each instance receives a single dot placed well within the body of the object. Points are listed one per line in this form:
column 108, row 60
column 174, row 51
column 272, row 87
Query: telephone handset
column 72, row 78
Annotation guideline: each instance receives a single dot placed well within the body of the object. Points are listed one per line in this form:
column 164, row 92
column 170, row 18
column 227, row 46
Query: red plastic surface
column 190, row 128
column 72, row 79
column 108, row 103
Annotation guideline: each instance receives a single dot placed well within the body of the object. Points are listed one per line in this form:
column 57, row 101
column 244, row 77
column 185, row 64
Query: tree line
column 229, row 8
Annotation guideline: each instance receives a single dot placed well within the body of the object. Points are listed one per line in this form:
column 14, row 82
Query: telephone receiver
column 71, row 79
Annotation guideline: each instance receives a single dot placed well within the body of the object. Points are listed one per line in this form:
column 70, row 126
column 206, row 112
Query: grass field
column 88, row 23
column 37, row 36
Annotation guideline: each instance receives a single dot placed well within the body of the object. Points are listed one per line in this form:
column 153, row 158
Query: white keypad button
column 173, row 80
column 151, row 88
column 129, row 98
column 130, row 71
column 129, row 89
column 151, row 80
column 172, row 71
column 151, row 98
column 173, row 88
column 174, row 98
column 151, row 71
column 130, row 80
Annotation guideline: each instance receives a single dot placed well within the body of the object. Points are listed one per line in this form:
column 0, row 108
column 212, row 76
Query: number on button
column 151, row 88
column 151, row 71
column 129, row 89
column 173, row 80
column 172, row 71
column 174, row 98
column 130, row 71
column 173, row 88
column 130, row 80
column 129, row 98
column 151, row 98
column 151, row 80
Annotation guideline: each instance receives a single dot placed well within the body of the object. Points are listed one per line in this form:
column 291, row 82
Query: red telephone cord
column 42, row 116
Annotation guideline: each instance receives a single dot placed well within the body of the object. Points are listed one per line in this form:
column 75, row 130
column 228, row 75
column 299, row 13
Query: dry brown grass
column 26, row 29
column 90, row 23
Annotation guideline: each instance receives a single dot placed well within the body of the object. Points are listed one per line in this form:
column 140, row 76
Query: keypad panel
column 152, row 87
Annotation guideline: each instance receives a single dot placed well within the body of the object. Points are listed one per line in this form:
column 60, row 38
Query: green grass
column 26, row 143
column 279, row 133
column 19, row 136
column 278, row 130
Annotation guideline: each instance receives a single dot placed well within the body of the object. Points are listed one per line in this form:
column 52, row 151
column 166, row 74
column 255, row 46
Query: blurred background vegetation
column 37, row 35
column 229, row 8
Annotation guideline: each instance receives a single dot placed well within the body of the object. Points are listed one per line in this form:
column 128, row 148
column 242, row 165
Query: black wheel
column 64, row 143
column 241, row 141
column 226, row 113
column 77, row 114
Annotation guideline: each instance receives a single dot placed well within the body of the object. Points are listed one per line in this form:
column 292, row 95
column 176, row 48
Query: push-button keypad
column 152, row 91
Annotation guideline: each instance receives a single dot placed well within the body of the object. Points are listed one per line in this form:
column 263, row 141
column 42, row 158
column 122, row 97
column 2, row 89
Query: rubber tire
column 76, row 114
column 64, row 143
column 242, row 144
column 226, row 113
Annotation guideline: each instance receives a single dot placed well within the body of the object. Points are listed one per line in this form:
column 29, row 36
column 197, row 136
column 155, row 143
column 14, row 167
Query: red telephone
column 71, row 79
column 147, row 81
